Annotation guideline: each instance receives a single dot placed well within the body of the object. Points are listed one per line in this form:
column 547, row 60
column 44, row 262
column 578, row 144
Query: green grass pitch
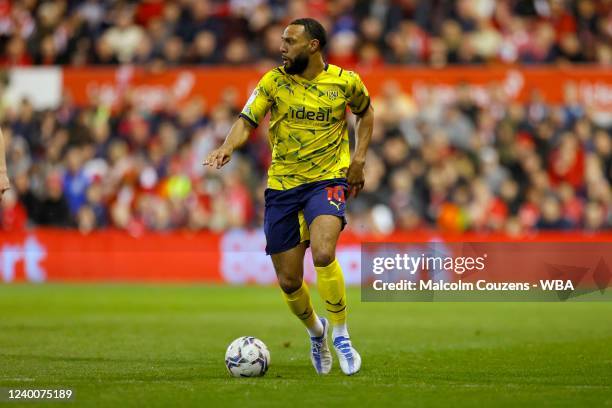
column 160, row 346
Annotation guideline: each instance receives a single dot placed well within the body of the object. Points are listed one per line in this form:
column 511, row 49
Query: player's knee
column 289, row 284
column 323, row 256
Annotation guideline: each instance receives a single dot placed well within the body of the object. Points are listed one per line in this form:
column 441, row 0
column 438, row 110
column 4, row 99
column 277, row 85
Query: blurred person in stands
column 4, row 181
column 13, row 216
column 75, row 182
column 124, row 36
column 16, row 53
column 54, row 209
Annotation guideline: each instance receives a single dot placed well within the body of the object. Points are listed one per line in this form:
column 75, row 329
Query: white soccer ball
column 247, row 357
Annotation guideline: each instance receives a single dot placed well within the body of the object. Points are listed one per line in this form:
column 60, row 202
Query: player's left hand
column 355, row 177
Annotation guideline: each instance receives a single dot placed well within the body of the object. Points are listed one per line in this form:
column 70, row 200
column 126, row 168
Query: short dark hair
column 314, row 29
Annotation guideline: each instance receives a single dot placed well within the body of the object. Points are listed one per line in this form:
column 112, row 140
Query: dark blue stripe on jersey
column 364, row 109
column 341, row 69
column 250, row 121
column 326, row 66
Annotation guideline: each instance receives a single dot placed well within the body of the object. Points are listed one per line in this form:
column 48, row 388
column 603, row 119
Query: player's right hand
column 4, row 184
column 219, row 157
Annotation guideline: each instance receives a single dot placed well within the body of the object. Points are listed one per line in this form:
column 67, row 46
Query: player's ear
column 314, row 45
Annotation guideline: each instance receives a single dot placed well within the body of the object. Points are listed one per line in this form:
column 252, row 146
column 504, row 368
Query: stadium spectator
column 124, row 36
column 435, row 33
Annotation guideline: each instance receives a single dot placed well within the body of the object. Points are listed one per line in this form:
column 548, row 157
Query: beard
column 298, row 65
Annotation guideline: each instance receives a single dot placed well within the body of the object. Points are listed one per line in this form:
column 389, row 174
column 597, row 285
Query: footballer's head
column 302, row 39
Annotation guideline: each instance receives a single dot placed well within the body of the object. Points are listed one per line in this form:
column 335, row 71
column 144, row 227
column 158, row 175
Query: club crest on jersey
column 332, row 94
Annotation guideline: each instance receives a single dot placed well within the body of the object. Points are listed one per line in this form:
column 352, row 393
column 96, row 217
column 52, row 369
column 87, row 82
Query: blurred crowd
column 453, row 166
column 456, row 165
column 363, row 33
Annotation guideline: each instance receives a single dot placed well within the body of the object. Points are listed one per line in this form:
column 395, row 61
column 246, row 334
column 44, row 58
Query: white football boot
column 320, row 355
column 349, row 358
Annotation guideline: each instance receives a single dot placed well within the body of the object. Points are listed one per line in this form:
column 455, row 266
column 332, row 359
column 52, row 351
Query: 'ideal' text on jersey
column 308, row 131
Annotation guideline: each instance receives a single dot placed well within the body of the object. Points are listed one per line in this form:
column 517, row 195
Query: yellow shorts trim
column 304, row 232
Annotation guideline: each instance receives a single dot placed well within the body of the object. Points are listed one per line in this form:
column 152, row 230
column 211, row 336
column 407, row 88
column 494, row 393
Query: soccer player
column 4, row 181
column 310, row 177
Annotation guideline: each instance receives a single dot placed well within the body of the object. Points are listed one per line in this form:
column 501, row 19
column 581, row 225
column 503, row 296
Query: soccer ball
column 247, row 357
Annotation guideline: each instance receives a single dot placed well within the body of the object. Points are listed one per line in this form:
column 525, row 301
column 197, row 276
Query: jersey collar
column 301, row 80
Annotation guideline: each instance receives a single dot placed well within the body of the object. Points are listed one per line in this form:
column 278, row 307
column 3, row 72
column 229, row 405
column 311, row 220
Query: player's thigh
column 324, row 233
column 286, row 236
column 324, row 212
column 289, row 267
column 284, row 224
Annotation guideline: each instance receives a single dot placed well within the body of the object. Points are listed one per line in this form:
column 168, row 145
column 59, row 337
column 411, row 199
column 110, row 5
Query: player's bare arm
column 237, row 136
column 4, row 181
column 355, row 176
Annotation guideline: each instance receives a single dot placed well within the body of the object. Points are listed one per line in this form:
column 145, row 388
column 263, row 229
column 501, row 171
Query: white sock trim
column 340, row 330
column 317, row 329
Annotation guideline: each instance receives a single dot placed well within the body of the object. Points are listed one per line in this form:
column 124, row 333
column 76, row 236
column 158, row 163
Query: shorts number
column 335, row 193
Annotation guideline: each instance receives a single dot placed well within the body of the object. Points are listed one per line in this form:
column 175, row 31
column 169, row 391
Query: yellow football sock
column 330, row 282
column 301, row 306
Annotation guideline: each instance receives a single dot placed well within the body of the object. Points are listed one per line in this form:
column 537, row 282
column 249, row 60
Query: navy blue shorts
column 289, row 213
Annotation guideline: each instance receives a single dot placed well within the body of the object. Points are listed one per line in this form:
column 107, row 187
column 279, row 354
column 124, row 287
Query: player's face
column 296, row 48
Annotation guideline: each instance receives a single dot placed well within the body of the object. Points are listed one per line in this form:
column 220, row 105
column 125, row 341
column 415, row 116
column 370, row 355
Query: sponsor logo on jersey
column 323, row 115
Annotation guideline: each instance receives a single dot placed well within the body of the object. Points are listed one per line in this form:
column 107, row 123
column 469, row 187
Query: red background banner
column 593, row 84
column 62, row 255
column 234, row 257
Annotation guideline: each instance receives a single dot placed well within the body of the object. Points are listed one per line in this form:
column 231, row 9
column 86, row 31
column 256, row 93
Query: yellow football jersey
column 308, row 131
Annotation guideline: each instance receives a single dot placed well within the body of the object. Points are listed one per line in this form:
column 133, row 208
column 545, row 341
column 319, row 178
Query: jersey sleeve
column 260, row 101
column 358, row 96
